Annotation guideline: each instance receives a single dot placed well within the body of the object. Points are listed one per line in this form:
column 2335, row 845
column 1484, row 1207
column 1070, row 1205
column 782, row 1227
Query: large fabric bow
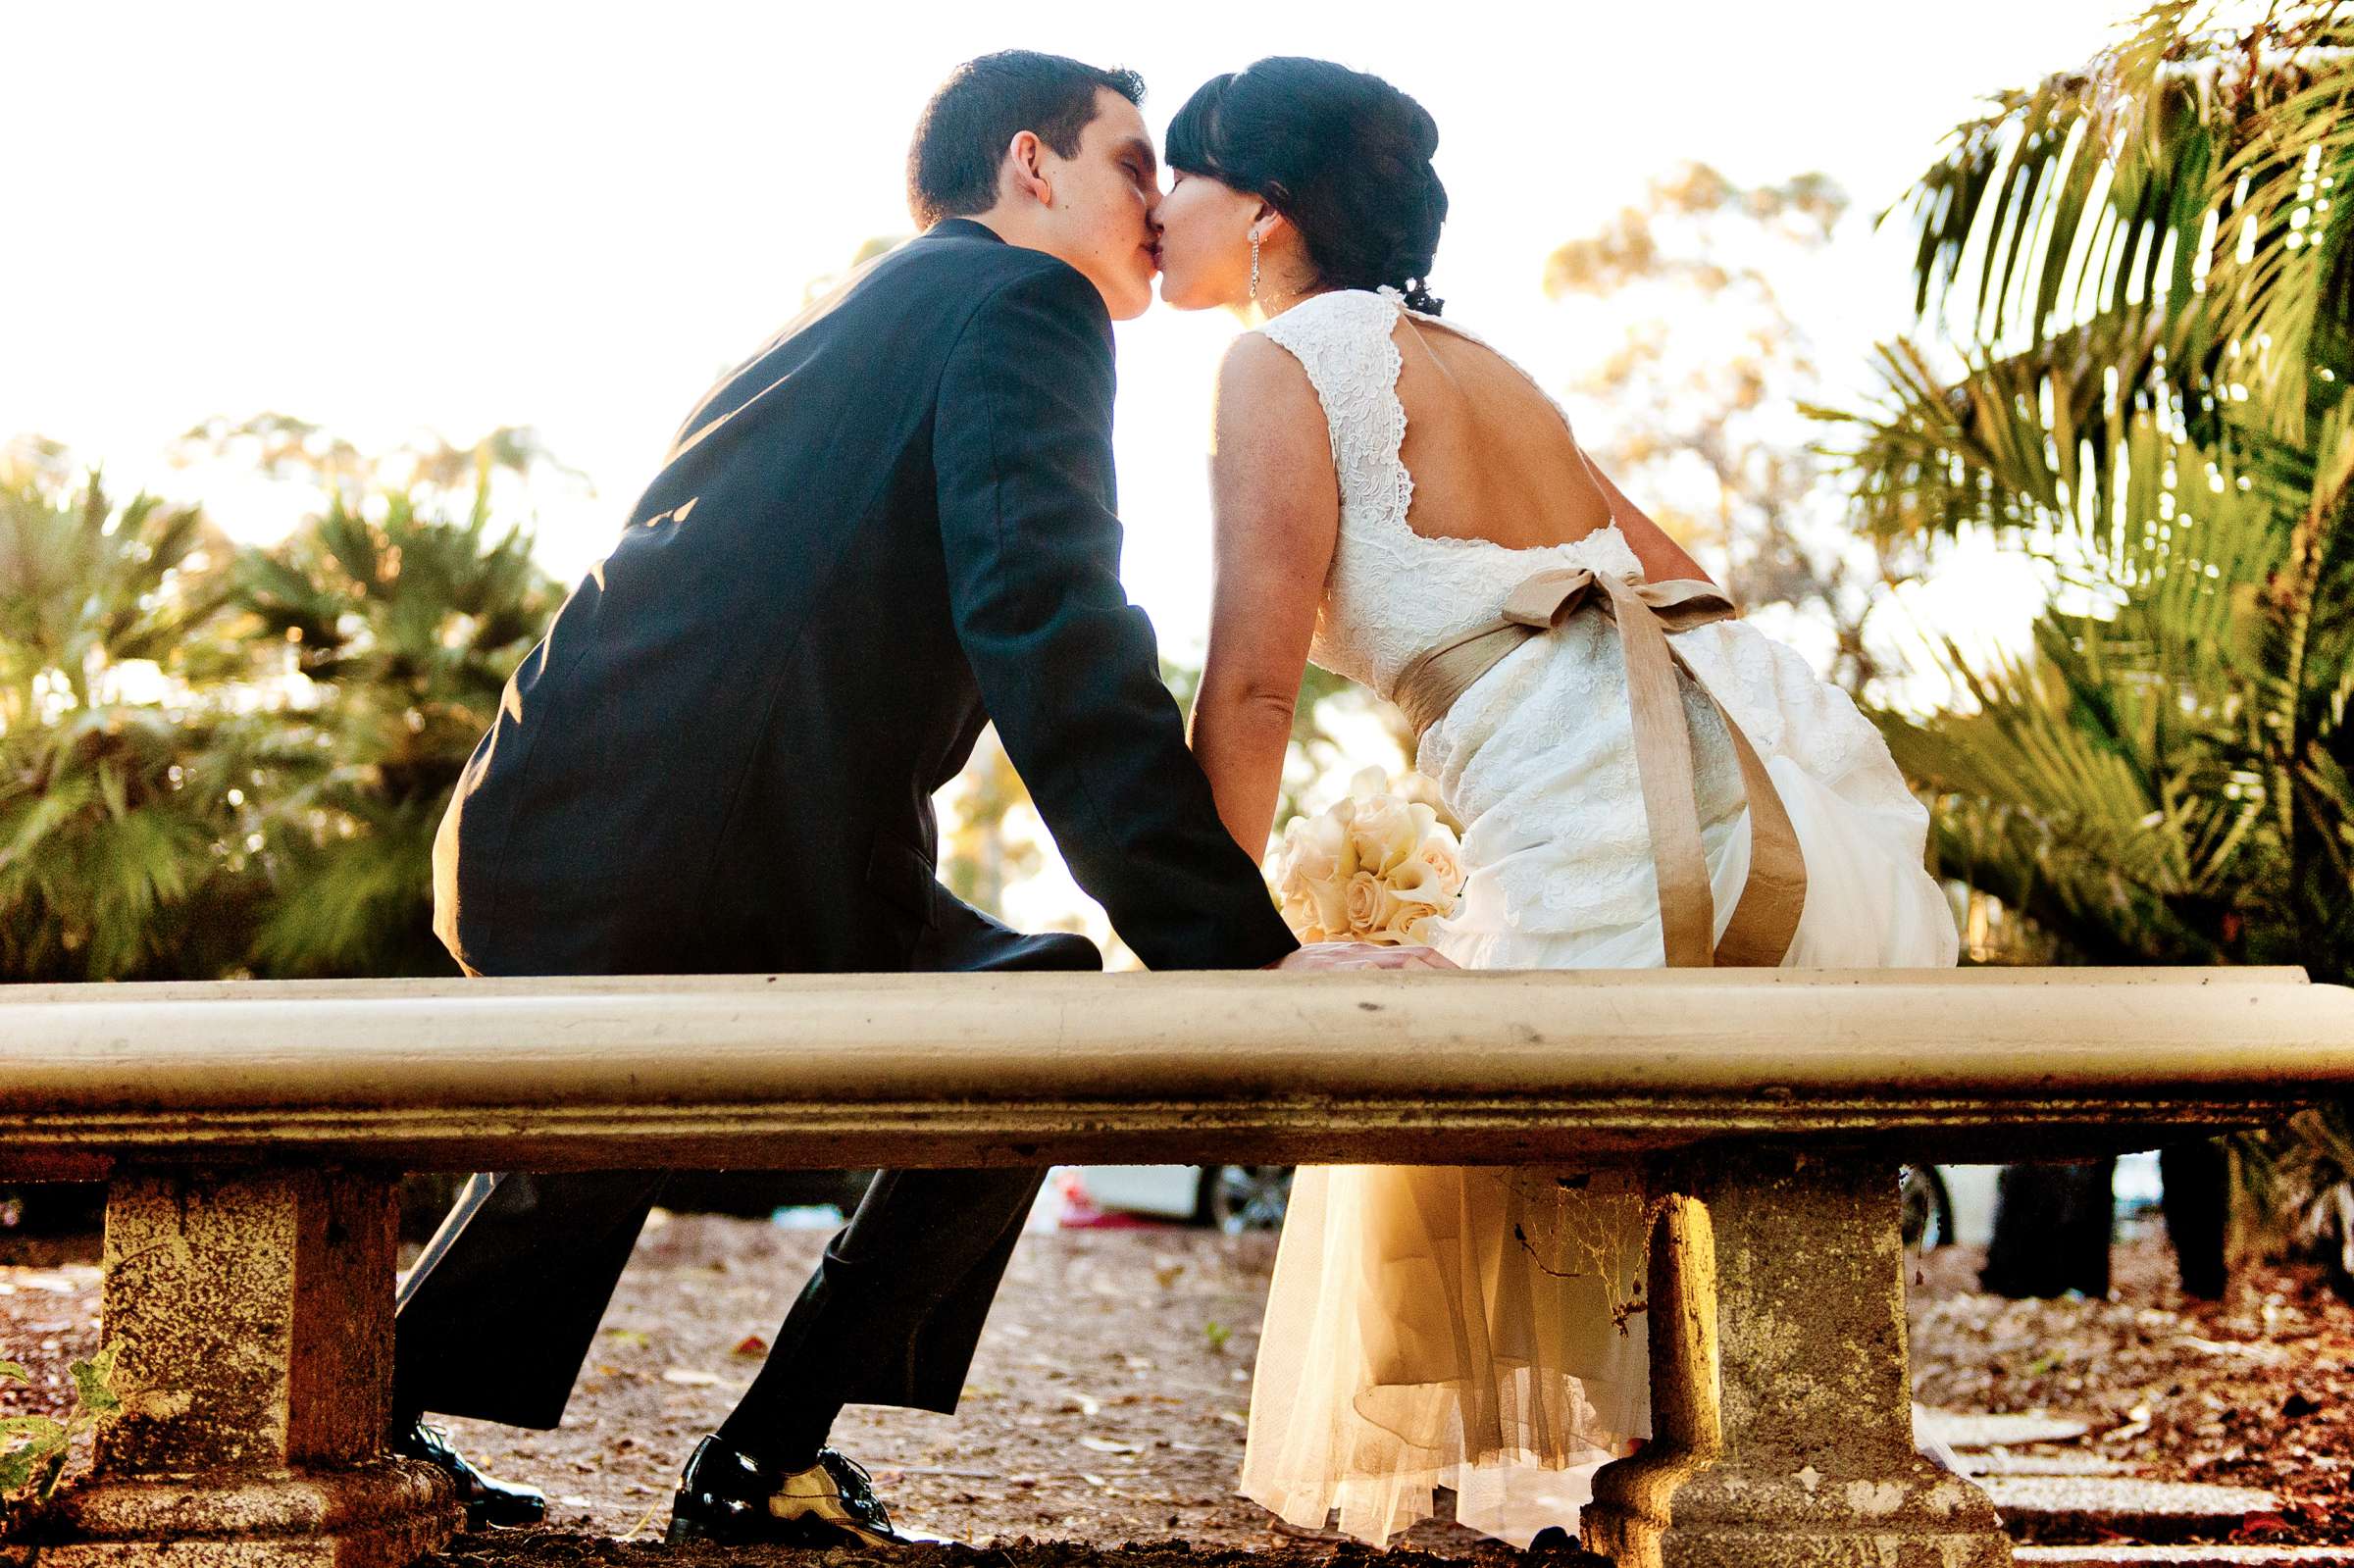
column 1766, row 916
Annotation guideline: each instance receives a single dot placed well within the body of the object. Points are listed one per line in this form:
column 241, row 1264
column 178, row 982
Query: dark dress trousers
column 890, row 526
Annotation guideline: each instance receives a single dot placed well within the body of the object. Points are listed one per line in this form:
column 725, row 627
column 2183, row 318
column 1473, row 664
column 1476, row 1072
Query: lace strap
column 1342, row 339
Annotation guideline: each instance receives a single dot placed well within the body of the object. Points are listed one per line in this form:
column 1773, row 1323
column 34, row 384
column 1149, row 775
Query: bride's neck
column 1279, row 294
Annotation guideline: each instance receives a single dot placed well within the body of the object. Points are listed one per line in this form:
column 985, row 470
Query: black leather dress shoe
column 488, row 1501
column 730, row 1499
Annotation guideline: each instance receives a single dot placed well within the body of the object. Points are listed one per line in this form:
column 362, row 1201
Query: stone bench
column 251, row 1135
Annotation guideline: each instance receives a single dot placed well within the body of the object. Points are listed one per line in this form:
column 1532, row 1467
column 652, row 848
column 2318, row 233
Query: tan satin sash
column 1766, row 917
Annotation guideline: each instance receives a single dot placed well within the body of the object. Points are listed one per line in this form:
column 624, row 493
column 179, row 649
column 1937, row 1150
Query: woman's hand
column 1319, row 957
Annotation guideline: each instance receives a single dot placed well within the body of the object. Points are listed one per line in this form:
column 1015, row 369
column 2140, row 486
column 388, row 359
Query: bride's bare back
column 1491, row 458
column 1491, row 455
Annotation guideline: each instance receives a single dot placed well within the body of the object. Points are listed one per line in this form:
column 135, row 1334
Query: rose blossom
column 1410, row 923
column 1332, row 905
column 1361, row 902
column 1445, row 858
column 1376, row 865
column 1323, row 851
column 1383, row 833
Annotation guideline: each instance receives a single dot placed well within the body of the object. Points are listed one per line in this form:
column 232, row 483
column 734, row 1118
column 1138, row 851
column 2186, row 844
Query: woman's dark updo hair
column 1344, row 155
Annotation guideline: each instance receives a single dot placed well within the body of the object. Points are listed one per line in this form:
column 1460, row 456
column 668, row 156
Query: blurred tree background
column 119, row 836
column 1701, row 403
column 224, row 760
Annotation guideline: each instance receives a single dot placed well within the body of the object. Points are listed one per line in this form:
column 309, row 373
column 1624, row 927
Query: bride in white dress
column 1383, row 482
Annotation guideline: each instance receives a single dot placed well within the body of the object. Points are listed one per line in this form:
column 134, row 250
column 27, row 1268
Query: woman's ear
column 1026, row 167
column 1268, row 224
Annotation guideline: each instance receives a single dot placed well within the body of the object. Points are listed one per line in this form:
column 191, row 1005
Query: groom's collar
column 962, row 228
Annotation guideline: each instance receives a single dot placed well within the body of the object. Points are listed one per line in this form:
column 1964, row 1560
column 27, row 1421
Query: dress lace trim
column 1391, row 591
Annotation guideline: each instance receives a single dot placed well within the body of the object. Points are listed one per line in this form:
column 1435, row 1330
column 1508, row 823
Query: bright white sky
column 461, row 215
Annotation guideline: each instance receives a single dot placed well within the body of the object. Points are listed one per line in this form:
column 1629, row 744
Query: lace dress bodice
column 1392, row 592
column 1537, row 759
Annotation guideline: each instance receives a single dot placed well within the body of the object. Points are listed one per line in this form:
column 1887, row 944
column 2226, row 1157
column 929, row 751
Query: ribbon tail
column 1663, row 765
column 1775, row 896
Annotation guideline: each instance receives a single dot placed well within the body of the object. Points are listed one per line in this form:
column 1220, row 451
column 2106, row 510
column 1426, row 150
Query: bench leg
column 253, row 1314
column 1781, row 1407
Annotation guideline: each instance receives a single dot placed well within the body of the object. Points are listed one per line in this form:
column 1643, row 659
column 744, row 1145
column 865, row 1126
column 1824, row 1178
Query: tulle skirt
column 1468, row 1328
column 1442, row 1326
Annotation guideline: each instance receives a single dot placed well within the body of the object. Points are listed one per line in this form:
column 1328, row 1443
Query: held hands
column 1329, row 956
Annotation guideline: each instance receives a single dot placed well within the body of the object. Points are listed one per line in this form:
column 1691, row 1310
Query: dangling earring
column 1254, row 264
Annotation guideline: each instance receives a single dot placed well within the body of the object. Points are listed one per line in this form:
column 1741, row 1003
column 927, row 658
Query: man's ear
column 1025, row 165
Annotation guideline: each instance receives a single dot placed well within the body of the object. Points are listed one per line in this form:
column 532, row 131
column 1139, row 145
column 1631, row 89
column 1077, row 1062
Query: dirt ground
column 2255, row 1392
column 1109, row 1399
column 549, row 1549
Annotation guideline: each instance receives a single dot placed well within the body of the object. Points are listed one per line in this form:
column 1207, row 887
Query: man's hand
column 1326, row 956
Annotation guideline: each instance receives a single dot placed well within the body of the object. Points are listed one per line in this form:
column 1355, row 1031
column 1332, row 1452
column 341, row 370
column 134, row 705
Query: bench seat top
column 861, row 1070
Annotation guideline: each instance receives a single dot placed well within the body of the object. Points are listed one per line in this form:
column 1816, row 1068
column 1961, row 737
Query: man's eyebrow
column 1142, row 149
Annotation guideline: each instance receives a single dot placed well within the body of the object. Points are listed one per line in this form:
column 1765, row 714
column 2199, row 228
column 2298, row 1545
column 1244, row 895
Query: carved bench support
column 253, row 1311
column 1781, row 1408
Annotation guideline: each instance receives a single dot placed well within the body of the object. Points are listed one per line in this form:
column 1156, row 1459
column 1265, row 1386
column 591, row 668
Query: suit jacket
column 891, row 526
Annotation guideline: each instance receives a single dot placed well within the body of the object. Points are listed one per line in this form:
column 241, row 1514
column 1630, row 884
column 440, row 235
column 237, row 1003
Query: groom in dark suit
column 890, row 527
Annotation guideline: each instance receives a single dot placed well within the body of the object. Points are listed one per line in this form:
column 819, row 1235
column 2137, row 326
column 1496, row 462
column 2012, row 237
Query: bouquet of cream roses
column 1377, row 867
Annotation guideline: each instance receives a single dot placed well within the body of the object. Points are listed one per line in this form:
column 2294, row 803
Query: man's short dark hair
column 960, row 142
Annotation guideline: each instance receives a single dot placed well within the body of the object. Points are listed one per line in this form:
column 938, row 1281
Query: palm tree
column 2137, row 284
column 397, row 631
column 2139, row 288
column 120, row 850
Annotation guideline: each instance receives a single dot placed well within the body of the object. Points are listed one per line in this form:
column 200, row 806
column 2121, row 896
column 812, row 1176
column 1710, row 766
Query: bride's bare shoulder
column 1271, row 452
column 1261, row 380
